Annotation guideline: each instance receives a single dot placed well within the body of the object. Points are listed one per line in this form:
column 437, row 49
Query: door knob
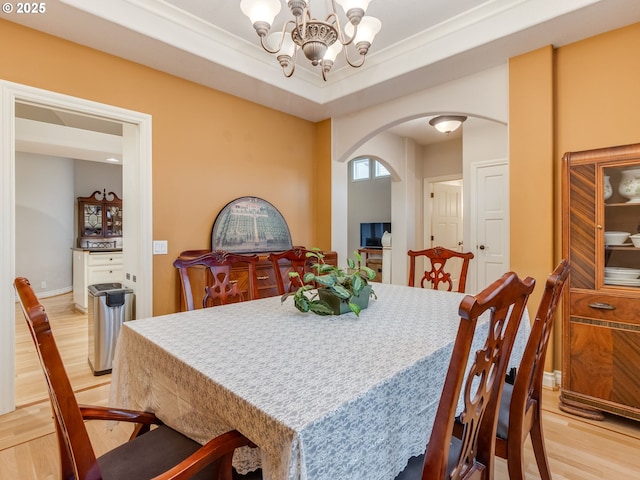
column 481, row 247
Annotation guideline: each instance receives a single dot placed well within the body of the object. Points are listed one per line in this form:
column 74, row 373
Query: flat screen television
column 371, row 234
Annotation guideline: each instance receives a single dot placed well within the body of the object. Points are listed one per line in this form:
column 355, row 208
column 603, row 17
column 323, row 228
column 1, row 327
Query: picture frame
column 250, row 225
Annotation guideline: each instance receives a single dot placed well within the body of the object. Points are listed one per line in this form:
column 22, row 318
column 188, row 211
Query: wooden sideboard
column 267, row 286
column 372, row 258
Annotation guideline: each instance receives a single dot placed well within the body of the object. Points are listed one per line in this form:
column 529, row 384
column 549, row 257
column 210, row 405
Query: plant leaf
column 302, row 303
column 369, row 272
column 340, row 291
column 321, row 308
column 355, row 308
column 358, row 284
column 326, row 280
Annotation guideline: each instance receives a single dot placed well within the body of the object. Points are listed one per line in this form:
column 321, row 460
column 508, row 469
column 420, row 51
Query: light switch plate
column 160, row 247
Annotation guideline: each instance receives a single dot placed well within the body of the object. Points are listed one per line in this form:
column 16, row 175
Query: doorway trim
column 136, row 173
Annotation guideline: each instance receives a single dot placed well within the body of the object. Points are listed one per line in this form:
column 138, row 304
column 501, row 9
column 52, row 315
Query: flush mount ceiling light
column 447, row 123
column 320, row 41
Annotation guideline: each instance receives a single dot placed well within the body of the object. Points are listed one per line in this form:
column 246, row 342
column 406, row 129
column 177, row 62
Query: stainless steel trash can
column 109, row 306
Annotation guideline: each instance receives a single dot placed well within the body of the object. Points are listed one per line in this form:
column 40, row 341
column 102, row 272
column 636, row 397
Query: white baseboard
column 550, row 380
column 558, row 375
column 51, row 293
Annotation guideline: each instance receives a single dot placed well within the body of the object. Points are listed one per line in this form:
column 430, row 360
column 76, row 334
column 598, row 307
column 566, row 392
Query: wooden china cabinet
column 100, row 220
column 601, row 321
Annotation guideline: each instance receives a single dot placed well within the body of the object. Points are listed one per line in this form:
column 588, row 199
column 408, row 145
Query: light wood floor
column 578, row 449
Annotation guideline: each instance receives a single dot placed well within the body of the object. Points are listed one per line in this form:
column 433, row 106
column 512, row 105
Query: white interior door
column 446, row 216
column 443, row 223
column 490, row 221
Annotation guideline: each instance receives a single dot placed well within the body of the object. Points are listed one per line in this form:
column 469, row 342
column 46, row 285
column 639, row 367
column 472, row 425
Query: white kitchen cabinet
column 89, row 268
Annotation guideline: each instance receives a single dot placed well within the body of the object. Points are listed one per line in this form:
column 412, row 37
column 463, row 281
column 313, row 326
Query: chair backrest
column 205, row 277
column 528, row 383
column 504, row 301
column 438, row 257
column 292, row 260
column 76, row 453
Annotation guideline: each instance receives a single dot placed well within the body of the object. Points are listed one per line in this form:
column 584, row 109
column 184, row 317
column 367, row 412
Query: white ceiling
column 422, row 43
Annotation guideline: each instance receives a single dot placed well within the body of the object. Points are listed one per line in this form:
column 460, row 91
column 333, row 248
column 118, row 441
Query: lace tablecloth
column 325, row 398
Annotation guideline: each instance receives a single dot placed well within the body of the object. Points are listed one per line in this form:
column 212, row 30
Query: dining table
column 322, row 397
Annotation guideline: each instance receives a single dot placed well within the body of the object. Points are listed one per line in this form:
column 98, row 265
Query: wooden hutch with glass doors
column 601, row 313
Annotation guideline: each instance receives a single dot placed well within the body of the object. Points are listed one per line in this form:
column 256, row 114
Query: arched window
column 367, row 169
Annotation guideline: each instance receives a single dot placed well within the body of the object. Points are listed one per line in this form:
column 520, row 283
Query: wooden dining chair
column 520, row 405
column 438, row 257
column 160, row 452
column 471, row 455
column 205, row 277
column 292, row 260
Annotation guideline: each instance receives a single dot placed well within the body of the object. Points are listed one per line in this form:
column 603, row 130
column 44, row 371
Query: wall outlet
column 43, row 284
column 160, row 247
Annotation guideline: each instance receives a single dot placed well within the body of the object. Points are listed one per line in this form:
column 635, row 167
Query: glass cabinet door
column 92, row 224
column 113, row 227
column 100, row 221
column 621, row 195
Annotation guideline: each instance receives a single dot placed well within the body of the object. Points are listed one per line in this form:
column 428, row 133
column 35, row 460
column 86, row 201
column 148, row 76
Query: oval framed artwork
column 250, row 225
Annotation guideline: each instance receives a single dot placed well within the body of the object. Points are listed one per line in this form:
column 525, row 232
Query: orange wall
column 323, row 185
column 208, row 147
column 531, row 168
column 596, row 104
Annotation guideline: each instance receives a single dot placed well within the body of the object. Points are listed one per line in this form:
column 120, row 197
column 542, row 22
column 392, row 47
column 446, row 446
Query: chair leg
column 224, row 469
column 537, row 440
column 515, row 457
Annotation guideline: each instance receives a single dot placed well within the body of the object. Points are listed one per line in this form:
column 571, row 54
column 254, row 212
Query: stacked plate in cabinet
column 622, row 276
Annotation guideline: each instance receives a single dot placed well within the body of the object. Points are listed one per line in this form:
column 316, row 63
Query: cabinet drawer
column 266, row 280
column 267, row 285
column 104, row 259
column 607, row 307
column 105, row 274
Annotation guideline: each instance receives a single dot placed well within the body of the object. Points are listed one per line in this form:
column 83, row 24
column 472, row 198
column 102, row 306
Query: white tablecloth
column 325, row 398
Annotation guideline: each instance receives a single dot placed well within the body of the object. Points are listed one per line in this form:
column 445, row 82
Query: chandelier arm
column 354, row 65
column 282, row 34
column 301, row 26
column 338, row 27
column 292, row 64
column 324, row 72
column 293, row 69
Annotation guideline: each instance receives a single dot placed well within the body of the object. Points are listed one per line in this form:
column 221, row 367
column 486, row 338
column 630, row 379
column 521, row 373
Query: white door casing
column 490, row 220
column 136, row 189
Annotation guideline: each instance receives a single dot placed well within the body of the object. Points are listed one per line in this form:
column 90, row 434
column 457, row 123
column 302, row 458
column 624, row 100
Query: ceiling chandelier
column 447, row 123
column 320, row 41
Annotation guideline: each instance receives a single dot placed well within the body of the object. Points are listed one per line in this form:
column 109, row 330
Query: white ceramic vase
column 608, row 190
column 630, row 185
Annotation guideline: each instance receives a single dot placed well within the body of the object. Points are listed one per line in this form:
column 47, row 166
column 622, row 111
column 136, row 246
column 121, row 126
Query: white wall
column 443, row 159
column 44, row 221
column 481, row 142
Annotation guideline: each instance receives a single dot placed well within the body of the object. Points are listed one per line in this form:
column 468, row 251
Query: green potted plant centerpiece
column 332, row 290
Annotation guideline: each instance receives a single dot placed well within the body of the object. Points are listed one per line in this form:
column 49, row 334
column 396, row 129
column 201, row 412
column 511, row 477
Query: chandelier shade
column 447, row 123
column 320, row 41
